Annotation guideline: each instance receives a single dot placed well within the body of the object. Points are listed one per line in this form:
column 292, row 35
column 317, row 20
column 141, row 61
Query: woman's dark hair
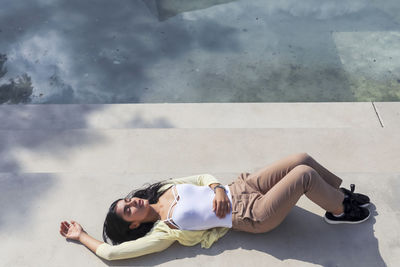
column 117, row 230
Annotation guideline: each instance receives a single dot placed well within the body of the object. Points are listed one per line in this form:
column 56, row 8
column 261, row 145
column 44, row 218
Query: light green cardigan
column 161, row 236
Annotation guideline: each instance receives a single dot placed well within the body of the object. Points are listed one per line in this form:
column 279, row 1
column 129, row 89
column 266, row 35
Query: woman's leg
column 264, row 179
column 269, row 210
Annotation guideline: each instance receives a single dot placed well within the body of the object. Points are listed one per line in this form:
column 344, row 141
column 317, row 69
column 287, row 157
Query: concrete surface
column 390, row 112
column 193, row 115
column 56, row 165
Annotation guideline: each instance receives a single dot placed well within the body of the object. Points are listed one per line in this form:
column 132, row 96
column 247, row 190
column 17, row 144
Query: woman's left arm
column 221, row 203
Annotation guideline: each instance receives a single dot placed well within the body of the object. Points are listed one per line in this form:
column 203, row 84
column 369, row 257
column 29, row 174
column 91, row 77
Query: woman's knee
column 302, row 158
column 304, row 173
column 303, row 169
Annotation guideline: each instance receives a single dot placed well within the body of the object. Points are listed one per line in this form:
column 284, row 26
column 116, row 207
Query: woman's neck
column 160, row 209
column 154, row 214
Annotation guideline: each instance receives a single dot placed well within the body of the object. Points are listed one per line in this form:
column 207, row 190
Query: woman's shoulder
column 167, row 185
column 198, row 179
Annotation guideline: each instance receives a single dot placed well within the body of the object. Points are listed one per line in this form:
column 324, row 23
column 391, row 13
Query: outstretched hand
column 71, row 230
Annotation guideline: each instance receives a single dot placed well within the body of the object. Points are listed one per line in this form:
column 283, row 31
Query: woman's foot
column 352, row 213
column 360, row 199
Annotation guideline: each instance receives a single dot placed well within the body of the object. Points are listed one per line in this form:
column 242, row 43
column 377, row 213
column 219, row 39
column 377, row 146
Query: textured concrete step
column 194, row 150
column 203, row 115
column 389, row 114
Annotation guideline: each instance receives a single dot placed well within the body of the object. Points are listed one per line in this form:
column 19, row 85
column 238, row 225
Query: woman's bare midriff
column 165, row 202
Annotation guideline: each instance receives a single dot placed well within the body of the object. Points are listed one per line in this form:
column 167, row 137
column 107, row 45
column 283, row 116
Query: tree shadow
column 58, row 130
column 139, row 122
column 18, row 195
column 303, row 236
column 44, row 132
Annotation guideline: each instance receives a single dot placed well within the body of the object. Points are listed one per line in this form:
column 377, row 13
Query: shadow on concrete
column 40, row 136
column 303, row 236
column 57, row 130
column 165, row 9
column 24, row 128
column 51, row 131
column 139, row 122
column 18, row 195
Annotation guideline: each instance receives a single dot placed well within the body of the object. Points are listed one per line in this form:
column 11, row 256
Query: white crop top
column 193, row 210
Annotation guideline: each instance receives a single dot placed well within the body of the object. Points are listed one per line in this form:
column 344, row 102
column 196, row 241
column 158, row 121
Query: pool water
column 156, row 51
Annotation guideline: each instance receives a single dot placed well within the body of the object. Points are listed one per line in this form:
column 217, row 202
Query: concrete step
column 200, row 115
column 33, row 205
column 62, row 162
column 194, row 150
column 389, row 113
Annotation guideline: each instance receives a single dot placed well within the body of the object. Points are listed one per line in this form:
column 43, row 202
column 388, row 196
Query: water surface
column 59, row 51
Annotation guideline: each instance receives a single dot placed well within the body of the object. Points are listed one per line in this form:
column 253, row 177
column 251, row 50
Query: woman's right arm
column 74, row 231
column 148, row 244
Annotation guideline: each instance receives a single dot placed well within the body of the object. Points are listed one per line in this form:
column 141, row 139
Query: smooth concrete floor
column 62, row 162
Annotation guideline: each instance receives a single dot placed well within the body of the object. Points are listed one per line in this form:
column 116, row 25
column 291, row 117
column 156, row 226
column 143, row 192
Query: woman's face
column 133, row 210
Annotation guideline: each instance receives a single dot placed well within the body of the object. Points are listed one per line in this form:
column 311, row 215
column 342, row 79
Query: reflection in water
column 3, row 71
column 206, row 51
column 316, row 8
column 165, row 9
column 18, row 90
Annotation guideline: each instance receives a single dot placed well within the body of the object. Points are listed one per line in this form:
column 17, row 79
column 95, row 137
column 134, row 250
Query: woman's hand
column 221, row 203
column 71, row 230
column 74, row 231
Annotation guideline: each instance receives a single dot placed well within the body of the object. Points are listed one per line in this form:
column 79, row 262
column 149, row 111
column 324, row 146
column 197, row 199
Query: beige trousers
column 261, row 200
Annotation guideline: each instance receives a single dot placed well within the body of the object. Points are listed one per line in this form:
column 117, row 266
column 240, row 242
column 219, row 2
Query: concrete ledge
column 200, row 115
column 389, row 113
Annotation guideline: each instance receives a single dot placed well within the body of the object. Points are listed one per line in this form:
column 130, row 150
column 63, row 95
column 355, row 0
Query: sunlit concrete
column 29, row 228
column 390, row 113
column 61, row 173
column 196, row 150
column 191, row 115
